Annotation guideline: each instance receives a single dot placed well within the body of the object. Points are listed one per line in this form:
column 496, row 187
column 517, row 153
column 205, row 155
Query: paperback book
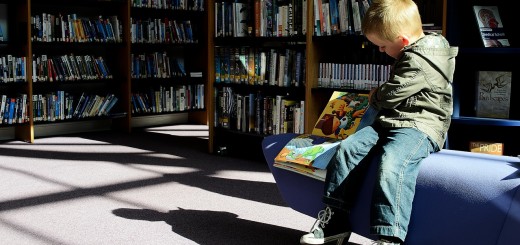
column 493, row 148
column 493, row 94
column 309, row 154
column 490, row 26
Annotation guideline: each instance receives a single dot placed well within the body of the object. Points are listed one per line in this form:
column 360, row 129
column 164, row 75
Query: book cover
column 342, row 115
column 490, row 26
column 308, row 150
column 492, row 148
column 493, row 94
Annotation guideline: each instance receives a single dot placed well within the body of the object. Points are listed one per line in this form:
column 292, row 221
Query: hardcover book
column 493, row 94
column 490, row 26
column 309, row 154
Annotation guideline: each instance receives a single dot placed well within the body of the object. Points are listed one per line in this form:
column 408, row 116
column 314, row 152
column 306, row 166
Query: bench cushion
column 461, row 197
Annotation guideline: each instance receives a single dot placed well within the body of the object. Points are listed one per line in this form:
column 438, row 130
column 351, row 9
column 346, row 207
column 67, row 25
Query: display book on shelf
column 493, row 97
column 493, row 148
column 490, row 26
column 309, row 154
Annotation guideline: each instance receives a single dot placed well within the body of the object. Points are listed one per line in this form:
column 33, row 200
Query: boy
column 415, row 107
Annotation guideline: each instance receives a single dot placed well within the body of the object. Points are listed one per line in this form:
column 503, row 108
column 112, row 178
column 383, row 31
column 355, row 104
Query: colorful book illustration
column 490, row 26
column 309, row 154
column 342, row 115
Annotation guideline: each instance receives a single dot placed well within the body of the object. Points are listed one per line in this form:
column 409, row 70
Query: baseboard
column 159, row 120
column 61, row 128
column 7, row 133
column 51, row 129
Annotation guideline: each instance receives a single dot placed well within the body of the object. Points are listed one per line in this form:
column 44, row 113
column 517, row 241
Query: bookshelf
column 16, row 45
column 51, row 34
column 76, row 49
column 462, row 31
column 257, row 76
column 167, row 60
column 338, row 50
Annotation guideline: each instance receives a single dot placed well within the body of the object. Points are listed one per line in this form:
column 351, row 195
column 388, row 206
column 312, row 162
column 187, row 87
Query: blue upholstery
column 461, row 197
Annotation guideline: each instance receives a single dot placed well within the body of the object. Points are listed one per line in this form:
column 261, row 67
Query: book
column 315, row 173
column 309, row 154
column 490, row 26
column 308, row 150
column 493, row 97
column 240, row 19
column 342, row 115
column 492, row 148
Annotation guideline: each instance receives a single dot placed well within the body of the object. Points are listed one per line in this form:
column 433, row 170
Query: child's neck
column 414, row 38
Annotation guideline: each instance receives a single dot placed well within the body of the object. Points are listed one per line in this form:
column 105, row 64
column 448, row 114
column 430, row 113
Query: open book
column 309, row 154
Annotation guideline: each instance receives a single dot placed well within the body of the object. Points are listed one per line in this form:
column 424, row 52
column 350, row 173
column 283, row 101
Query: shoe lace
column 324, row 217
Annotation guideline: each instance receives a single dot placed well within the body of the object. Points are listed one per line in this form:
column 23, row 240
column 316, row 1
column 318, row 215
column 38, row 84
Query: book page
column 342, row 115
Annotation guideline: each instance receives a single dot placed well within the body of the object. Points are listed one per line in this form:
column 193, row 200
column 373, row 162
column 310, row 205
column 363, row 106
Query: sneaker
column 384, row 242
column 328, row 228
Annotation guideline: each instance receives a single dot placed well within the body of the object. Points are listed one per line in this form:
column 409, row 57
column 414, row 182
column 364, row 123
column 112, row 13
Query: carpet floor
column 153, row 186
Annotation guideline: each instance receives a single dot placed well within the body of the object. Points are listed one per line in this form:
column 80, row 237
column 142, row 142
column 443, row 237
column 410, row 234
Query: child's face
column 391, row 48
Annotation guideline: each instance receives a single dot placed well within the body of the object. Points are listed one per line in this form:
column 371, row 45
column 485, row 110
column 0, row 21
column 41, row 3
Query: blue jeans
column 399, row 152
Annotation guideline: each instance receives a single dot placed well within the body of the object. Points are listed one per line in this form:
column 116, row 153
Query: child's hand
column 370, row 94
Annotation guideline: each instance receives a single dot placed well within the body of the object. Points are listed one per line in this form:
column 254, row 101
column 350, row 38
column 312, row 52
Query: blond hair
column 389, row 19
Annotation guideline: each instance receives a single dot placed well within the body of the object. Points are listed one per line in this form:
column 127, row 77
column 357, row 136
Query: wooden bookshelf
column 182, row 45
column 116, row 55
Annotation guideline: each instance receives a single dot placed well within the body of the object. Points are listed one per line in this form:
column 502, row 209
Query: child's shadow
column 212, row 227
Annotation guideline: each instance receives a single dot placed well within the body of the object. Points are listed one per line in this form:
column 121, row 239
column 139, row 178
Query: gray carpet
column 154, row 186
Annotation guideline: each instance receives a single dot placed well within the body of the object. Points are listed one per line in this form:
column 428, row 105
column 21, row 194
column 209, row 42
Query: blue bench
column 461, row 197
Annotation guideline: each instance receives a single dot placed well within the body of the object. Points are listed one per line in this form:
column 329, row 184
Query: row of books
column 161, row 31
column 13, row 110
column 261, row 18
column 61, row 105
column 257, row 113
column 47, row 27
column 157, row 65
column 231, row 19
column 257, row 66
column 168, row 99
column 12, row 69
column 339, row 17
column 352, row 76
column 195, row 5
column 69, row 68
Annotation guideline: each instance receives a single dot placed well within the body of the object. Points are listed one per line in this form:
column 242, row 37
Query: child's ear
column 404, row 40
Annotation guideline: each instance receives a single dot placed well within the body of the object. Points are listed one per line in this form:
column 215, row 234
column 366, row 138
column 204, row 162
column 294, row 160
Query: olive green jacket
column 419, row 91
